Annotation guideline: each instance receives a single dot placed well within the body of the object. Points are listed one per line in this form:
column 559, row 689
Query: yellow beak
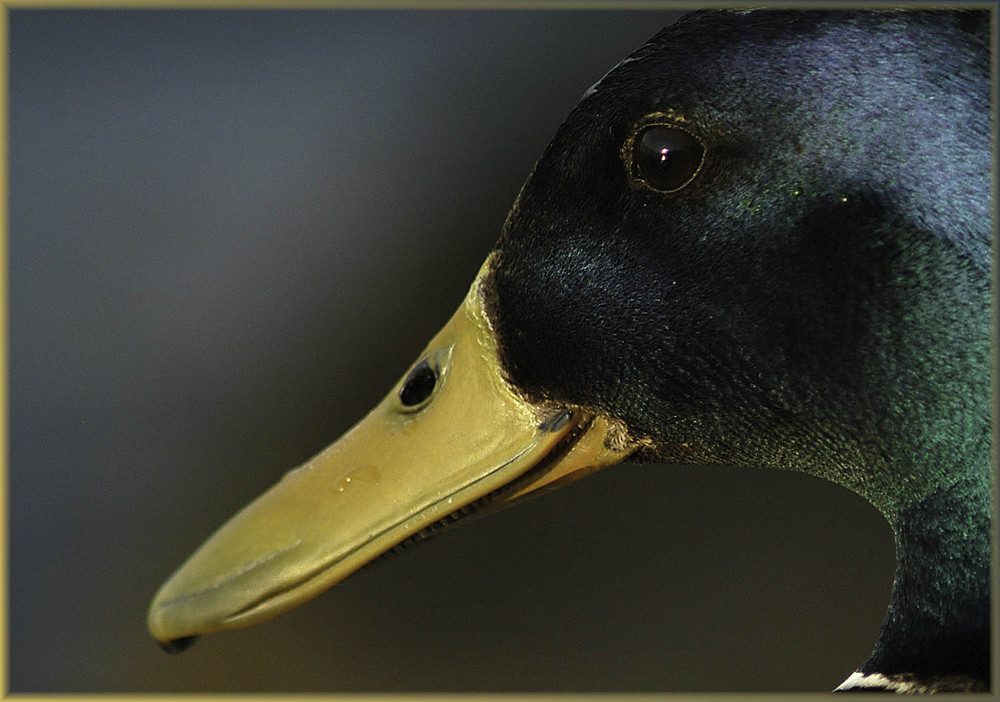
column 452, row 433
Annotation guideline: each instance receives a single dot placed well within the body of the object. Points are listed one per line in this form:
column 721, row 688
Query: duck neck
column 936, row 636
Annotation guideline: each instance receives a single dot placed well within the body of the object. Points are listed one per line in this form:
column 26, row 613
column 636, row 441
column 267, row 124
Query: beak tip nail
column 175, row 646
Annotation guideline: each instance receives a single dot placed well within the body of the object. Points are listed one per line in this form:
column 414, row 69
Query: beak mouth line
column 249, row 568
column 507, row 493
column 476, row 507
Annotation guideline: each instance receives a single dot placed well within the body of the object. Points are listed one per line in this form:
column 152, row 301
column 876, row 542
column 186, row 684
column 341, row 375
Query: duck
column 763, row 239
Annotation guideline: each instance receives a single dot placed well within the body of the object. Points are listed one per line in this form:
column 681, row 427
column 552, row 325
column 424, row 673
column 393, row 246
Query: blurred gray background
column 230, row 233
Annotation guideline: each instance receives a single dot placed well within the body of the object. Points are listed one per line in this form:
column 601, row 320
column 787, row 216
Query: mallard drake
column 763, row 239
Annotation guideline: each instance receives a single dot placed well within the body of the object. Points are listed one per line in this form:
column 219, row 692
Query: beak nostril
column 418, row 386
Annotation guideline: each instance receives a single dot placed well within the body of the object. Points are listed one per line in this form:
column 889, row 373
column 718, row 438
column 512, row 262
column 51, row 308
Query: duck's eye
column 667, row 158
column 418, row 386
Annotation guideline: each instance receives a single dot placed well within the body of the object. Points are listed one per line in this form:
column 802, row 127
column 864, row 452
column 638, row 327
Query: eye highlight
column 666, row 157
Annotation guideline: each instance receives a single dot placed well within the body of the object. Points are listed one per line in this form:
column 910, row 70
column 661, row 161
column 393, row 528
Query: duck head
column 761, row 240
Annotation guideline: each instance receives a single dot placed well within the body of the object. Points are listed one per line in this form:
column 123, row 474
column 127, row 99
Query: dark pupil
column 668, row 157
column 419, row 385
